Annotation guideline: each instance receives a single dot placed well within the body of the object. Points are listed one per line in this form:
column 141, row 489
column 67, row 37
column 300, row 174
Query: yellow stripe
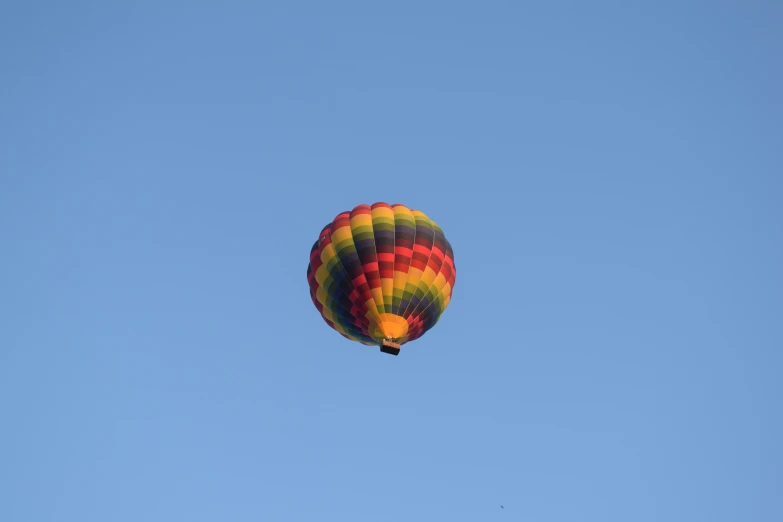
column 340, row 235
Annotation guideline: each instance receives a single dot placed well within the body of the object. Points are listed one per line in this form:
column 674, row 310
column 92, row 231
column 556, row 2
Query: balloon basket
column 390, row 347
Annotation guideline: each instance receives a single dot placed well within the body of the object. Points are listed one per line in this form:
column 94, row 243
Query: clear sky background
column 609, row 174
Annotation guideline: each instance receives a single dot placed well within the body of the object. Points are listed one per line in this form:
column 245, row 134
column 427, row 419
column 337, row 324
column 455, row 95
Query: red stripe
column 402, row 251
column 341, row 220
column 361, row 209
column 422, row 249
column 402, row 267
column 418, row 264
column 371, row 266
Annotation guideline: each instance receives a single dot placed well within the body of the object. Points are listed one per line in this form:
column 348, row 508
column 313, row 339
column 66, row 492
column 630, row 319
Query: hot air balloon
column 381, row 275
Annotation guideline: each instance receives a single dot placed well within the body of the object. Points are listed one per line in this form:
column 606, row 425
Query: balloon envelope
column 381, row 275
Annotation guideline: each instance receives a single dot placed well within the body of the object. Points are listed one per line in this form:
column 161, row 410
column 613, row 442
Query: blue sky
column 608, row 173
